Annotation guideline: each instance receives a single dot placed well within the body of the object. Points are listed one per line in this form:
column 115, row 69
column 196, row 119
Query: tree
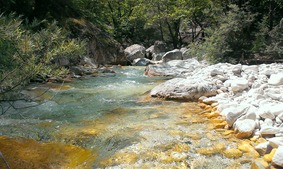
column 230, row 41
column 26, row 55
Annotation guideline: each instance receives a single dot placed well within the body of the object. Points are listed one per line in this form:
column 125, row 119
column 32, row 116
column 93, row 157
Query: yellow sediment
column 268, row 157
column 29, row 154
column 232, row 153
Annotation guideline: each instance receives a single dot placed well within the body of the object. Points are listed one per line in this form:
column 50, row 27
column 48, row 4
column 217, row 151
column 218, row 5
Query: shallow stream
column 109, row 121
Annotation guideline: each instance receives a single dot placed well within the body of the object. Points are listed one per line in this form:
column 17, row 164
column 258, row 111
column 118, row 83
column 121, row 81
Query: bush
column 275, row 47
column 229, row 40
column 25, row 54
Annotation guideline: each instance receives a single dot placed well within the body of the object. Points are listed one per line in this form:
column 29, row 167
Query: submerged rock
column 27, row 153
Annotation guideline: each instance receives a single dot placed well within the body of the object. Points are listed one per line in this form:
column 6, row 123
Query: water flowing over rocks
column 250, row 97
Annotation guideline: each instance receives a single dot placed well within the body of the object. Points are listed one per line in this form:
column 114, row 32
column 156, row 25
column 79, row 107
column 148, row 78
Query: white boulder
column 276, row 79
column 276, row 141
column 233, row 113
column 239, row 84
column 245, row 126
column 278, row 157
column 267, row 130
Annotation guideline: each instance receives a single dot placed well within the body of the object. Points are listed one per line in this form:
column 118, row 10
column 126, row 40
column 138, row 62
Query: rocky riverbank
column 250, row 97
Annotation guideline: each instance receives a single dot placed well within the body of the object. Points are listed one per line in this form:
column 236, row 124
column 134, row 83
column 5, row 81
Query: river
column 110, row 121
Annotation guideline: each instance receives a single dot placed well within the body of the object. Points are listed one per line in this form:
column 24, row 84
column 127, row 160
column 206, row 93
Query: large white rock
column 134, row 51
column 251, row 69
column 262, row 147
column 184, row 89
column 141, row 62
column 274, row 93
column 278, row 157
column 267, row 130
column 277, row 109
column 175, row 54
column 239, row 84
column 276, row 141
column 267, row 122
column 280, row 116
column 245, row 126
column 233, row 113
column 250, row 114
column 276, row 79
column 265, row 111
column 174, row 68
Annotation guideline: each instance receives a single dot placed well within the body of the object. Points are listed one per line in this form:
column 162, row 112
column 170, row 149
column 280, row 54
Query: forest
column 33, row 33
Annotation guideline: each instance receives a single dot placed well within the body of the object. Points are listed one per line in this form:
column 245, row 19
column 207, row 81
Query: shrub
column 25, row 54
column 229, row 40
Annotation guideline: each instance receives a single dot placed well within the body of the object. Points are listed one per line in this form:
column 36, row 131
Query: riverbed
column 110, row 121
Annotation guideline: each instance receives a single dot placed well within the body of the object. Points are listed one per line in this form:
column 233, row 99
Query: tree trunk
column 161, row 31
column 174, row 42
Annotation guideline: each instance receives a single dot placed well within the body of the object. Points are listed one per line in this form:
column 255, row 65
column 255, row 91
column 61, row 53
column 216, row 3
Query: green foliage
column 275, row 48
column 261, row 37
column 25, row 54
column 231, row 33
column 229, row 40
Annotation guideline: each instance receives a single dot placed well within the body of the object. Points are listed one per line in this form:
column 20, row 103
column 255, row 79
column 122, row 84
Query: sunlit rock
column 261, row 148
column 181, row 148
column 215, row 72
column 177, row 157
column 274, row 93
column 175, row 54
column 173, row 68
column 134, row 51
column 259, row 164
column 267, row 130
column 249, row 149
column 245, row 128
column 268, row 157
column 217, row 148
column 220, row 125
column 278, row 157
column 238, row 85
column 184, row 89
column 234, row 112
column 237, row 69
column 228, row 132
column 194, row 136
column 120, row 158
column 264, row 111
column 267, row 122
column 276, row 141
column 141, row 62
column 276, row 79
column 232, row 153
column 211, row 137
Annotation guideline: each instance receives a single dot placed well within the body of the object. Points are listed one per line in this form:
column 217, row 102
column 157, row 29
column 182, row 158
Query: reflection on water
column 112, row 122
